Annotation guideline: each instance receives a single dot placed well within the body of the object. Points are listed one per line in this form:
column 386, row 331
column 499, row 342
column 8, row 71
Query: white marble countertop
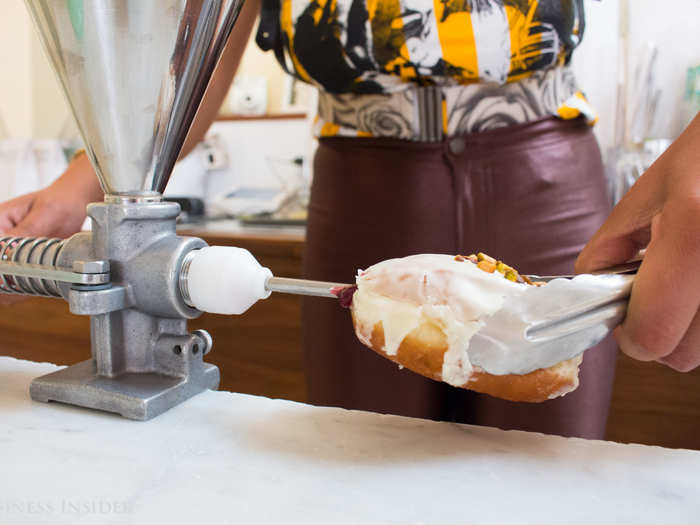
column 232, row 458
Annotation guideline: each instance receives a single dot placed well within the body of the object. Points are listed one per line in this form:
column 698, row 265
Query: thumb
column 665, row 296
column 38, row 221
column 13, row 212
column 627, row 229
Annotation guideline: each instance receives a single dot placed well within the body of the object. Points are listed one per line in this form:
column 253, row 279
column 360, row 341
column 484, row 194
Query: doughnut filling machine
column 134, row 73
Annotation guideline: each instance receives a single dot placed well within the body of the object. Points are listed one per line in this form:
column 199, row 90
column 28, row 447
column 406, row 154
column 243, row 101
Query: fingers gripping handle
column 223, row 280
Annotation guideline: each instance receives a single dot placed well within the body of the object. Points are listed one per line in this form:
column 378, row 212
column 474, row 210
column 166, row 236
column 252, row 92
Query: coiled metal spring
column 30, row 250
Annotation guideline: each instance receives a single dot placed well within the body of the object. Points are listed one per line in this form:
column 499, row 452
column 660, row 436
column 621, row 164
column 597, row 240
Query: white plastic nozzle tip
column 226, row 280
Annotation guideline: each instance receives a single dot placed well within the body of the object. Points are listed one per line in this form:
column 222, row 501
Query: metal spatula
column 558, row 323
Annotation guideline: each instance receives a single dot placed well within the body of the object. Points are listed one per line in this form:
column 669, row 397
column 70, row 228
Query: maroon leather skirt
column 530, row 195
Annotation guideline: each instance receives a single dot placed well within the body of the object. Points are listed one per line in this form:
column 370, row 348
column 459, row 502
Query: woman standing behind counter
column 447, row 127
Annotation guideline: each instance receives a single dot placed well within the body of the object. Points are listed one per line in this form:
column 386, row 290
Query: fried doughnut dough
column 422, row 341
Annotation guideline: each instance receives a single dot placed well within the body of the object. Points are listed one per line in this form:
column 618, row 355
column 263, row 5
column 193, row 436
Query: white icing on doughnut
column 402, row 292
column 398, row 319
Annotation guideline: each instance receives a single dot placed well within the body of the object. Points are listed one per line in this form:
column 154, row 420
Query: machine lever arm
column 40, row 271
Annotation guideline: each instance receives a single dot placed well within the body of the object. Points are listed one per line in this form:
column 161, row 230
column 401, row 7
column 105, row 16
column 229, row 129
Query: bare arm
column 223, row 75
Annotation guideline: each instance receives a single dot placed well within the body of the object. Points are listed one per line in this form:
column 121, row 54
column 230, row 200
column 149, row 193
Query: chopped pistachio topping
column 483, row 257
column 491, row 265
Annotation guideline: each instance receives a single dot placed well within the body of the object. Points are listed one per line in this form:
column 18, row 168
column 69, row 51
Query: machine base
column 138, row 396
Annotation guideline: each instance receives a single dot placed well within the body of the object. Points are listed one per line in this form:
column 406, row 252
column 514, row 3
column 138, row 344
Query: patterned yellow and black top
column 371, row 47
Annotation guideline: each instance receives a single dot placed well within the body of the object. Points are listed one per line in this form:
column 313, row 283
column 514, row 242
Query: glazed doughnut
column 421, row 311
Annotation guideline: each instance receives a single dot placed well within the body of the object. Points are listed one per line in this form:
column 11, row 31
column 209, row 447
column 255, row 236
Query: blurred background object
column 247, row 96
column 297, row 96
column 4, row 132
column 633, row 65
column 692, row 93
column 27, row 165
column 637, row 100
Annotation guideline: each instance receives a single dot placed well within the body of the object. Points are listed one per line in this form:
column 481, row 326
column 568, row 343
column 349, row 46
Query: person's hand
column 55, row 211
column 661, row 210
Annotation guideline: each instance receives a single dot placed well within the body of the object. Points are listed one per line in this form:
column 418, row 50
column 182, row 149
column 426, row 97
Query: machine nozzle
column 223, row 280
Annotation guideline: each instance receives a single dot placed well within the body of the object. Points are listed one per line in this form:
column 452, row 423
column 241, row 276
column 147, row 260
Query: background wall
column 16, row 42
column 258, row 63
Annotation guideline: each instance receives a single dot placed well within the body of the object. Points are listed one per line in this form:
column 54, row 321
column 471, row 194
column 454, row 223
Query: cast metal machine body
column 123, row 274
column 134, row 73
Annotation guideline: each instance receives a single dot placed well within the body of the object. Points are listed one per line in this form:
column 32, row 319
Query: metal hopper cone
column 134, row 73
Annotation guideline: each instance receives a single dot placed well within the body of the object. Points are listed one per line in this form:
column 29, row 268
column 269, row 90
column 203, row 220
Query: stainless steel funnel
column 134, row 73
